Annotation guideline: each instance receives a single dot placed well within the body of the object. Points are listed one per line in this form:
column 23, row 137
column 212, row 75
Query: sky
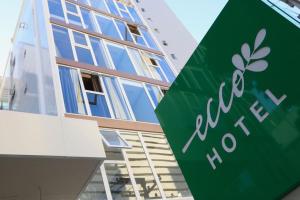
column 196, row 15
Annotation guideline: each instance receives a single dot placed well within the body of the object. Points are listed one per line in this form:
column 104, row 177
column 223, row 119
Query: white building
column 177, row 43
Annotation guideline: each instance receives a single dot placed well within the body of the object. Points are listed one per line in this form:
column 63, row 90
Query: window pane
column 95, row 189
column 121, row 6
column 85, row 2
column 79, row 38
column 135, row 15
column 87, row 19
column 73, row 19
column 166, row 68
column 55, row 9
column 84, row 55
column 98, row 105
column 155, row 94
column 108, row 27
column 72, row 92
column 112, row 7
column 99, row 4
column 71, row 8
column 62, row 43
column 124, row 31
column 121, row 59
column 125, row 15
column 140, row 103
column 99, row 52
column 113, row 139
column 116, row 99
column 157, row 73
column 141, row 66
column 139, row 40
column 149, row 39
column 119, row 182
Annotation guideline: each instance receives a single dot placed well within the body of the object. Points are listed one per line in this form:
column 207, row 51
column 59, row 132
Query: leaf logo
column 253, row 61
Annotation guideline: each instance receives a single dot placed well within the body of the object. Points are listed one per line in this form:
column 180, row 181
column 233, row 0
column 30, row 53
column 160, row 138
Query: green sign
column 232, row 117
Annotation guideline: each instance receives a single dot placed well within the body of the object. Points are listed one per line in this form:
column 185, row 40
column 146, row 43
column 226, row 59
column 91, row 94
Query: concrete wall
column 167, row 27
column 24, row 134
column 46, row 157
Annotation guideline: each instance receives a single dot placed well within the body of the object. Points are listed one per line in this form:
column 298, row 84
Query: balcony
column 46, row 157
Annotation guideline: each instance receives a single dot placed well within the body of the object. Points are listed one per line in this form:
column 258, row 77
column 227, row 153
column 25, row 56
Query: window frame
column 149, row 55
column 78, row 14
column 142, row 85
column 128, row 30
column 124, row 10
column 128, row 146
column 87, row 47
column 135, row 35
column 108, row 18
column 105, row 4
column 124, row 47
column 104, row 93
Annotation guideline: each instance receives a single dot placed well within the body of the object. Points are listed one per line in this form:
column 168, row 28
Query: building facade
column 164, row 24
column 98, row 61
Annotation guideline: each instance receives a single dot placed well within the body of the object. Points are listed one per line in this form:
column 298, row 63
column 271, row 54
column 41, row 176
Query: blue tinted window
column 72, row 92
column 116, row 98
column 121, row 59
column 149, row 39
column 55, row 9
column 99, row 52
column 140, row 103
column 79, row 38
column 87, row 19
column 166, row 68
column 135, row 15
column 155, row 94
column 124, row 31
column 125, row 15
column 140, row 40
column 99, row 4
column 161, row 75
column 62, row 43
column 85, row 2
column 108, row 27
column 98, row 105
column 112, row 7
column 71, row 8
column 121, row 6
column 84, row 56
column 73, row 19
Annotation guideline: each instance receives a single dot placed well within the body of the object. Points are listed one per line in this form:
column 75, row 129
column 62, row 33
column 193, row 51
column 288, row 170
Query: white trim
column 105, row 93
column 89, row 45
column 86, row 101
column 149, row 96
column 63, row 5
column 126, row 98
column 117, row 7
column 152, row 167
column 126, row 146
column 107, row 54
column 60, row 105
column 108, row 18
column 131, row 175
column 105, row 182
